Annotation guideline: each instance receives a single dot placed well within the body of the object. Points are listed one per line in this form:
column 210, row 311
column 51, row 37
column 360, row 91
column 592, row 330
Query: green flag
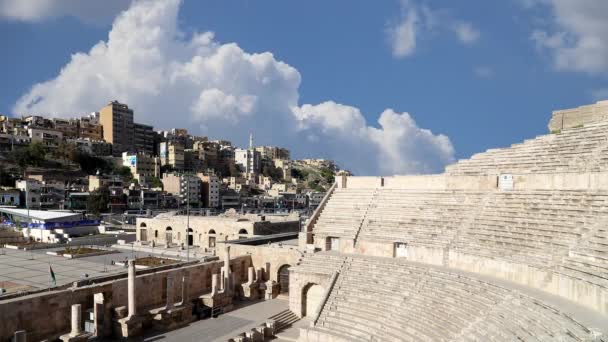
column 53, row 279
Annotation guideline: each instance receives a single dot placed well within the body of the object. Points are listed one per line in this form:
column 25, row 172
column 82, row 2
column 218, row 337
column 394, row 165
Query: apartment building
column 185, row 186
column 210, row 191
column 118, row 127
column 143, row 166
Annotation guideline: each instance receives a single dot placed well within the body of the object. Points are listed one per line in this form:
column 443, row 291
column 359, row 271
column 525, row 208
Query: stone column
column 169, row 293
column 184, row 289
column 76, row 320
column 260, row 277
column 250, row 275
column 131, row 289
column 227, row 283
column 215, row 279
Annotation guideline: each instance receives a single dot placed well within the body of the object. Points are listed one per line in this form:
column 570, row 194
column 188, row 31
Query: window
column 400, row 250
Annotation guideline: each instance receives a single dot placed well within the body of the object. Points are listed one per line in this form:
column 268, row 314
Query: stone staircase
column 284, row 320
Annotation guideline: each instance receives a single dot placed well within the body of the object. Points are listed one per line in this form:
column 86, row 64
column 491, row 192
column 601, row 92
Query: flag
column 53, row 279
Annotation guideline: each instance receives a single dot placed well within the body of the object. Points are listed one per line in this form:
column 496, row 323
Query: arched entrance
column 211, row 238
column 169, row 235
column 190, row 237
column 311, row 299
column 283, row 278
column 143, row 232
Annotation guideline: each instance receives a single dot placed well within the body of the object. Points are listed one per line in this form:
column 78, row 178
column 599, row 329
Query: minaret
column 251, row 141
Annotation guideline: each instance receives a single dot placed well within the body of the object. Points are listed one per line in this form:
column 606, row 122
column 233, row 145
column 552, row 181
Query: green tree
column 33, row 155
column 328, row 175
column 99, row 201
column 156, row 183
column 6, row 179
column 90, row 164
column 124, row 172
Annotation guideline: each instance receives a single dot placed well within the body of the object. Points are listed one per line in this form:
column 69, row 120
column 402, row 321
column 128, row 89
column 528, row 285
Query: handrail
column 332, row 282
column 315, row 216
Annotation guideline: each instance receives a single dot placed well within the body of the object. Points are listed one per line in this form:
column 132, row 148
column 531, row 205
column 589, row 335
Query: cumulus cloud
column 196, row 82
column 37, row 10
column 577, row 35
column 416, row 21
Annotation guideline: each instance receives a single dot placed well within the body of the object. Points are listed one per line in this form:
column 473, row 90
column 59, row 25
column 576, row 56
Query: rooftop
column 41, row 215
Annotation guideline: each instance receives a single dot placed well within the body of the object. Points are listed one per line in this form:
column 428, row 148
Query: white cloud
column 466, row 33
column 97, row 11
column 402, row 36
column 577, row 36
column 417, row 21
column 483, row 72
column 220, row 90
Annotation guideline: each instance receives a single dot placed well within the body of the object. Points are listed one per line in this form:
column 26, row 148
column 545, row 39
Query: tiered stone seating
column 344, row 212
column 392, row 300
column 534, row 227
column 421, row 217
column 572, row 150
column 589, row 260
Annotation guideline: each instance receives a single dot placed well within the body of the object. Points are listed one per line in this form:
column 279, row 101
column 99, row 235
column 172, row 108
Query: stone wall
column 574, row 289
column 47, row 315
column 224, row 228
column 270, row 258
column 298, row 283
column 530, row 181
column 574, row 117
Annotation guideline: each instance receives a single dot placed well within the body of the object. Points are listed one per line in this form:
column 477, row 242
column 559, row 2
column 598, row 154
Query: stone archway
column 312, row 294
column 283, row 278
column 190, row 239
column 168, row 236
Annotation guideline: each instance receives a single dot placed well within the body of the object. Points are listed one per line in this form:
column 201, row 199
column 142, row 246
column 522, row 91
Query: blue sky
column 497, row 88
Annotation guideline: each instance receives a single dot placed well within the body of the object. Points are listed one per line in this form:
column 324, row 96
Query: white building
column 37, row 194
column 210, row 190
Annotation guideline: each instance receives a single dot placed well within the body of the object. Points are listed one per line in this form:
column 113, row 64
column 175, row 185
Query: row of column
column 76, row 322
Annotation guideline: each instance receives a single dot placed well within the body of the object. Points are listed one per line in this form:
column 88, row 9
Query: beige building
column 172, row 154
column 96, row 182
column 206, row 231
column 210, row 191
column 285, row 167
column 48, row 137
column 273, row 152
column 89, row 127
column 117, row 121
column 93, row 147
column 143, row 166
column 186, row 187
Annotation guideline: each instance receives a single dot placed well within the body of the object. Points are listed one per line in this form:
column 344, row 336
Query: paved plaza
column 23, row 270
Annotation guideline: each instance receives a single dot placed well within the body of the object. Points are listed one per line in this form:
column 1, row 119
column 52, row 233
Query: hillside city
column 106, row 162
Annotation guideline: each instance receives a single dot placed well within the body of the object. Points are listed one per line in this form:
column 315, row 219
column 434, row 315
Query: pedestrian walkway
column 225, row 326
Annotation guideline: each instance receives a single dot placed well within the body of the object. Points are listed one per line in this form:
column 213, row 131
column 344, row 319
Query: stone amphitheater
column 509, row 245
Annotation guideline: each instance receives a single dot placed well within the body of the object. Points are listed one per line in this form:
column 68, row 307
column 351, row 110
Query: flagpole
column 50, row 275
